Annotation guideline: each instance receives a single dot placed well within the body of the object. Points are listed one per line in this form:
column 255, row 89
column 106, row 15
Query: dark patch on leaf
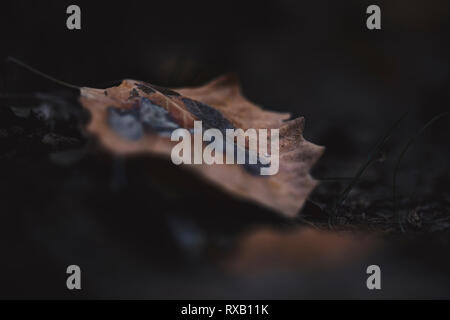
column 150, row 88
column 144, row 116
column 133, row 94
column 125, row 122
column 210, row 117
column 156, row 118
column 253, row 169
column 166, row 91
column 144, row 88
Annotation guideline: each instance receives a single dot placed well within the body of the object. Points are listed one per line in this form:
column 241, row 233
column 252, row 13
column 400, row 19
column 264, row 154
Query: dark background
column 312, row 58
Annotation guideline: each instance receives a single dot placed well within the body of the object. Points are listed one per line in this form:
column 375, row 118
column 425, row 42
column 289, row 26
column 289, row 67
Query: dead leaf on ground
column 267, row 249
column 137, row 117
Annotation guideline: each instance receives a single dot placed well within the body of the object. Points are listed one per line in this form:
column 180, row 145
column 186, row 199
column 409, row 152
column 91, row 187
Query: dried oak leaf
column 137, row 117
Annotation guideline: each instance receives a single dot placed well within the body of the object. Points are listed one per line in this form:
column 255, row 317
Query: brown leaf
column 132, row 118
column 267, row 249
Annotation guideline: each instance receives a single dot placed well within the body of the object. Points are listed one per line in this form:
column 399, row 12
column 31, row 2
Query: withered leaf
column 137, row 117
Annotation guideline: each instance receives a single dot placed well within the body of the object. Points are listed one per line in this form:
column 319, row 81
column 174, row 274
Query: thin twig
column 40, row 73
column 371, row 157
column 399, row 159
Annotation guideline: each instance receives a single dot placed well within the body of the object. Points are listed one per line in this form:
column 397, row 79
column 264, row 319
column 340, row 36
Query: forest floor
column 161, row 232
